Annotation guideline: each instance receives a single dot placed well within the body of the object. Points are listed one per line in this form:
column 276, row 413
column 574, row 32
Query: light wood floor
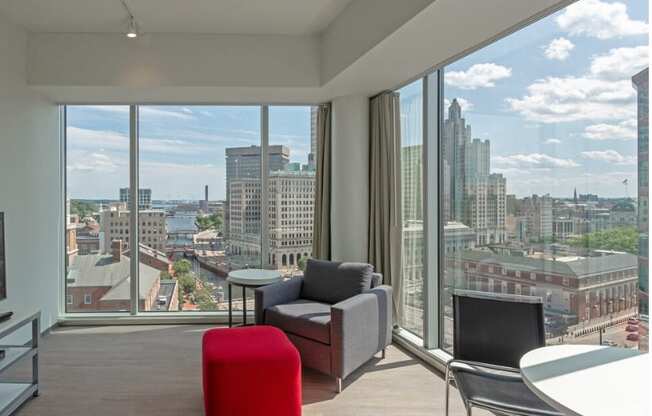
column 155, row 370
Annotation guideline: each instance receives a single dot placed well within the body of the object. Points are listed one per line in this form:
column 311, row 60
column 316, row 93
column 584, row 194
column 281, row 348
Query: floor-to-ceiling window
column 543, row 173
column 291, row 186
column 411, row 124
column 540, row 154
column 97, row 165
column 199, row 203
column 194, row 175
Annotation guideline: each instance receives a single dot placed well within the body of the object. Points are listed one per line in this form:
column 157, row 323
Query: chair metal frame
column 449, row 377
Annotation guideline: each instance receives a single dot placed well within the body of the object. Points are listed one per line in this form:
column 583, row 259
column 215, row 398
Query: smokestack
column 206, row 193
column 116, row 250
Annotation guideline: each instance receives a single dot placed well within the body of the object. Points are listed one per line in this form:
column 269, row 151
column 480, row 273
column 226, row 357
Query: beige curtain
column 385, row 192
column 321, row 241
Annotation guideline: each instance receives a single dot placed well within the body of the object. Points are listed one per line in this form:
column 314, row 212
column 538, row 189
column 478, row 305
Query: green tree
column 186, row 283
column 182, row 266
column 203, row 298
column 165, row 276
column 81, row 208
column 210, row 222
column 619, row 239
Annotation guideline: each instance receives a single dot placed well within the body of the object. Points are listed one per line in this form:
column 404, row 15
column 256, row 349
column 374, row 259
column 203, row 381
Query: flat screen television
column 3, row 269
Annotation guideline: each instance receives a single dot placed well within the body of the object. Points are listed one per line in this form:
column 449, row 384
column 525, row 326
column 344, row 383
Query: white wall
column 360, row 27
column 29, row 186
column 350, row 167
column 180, row 60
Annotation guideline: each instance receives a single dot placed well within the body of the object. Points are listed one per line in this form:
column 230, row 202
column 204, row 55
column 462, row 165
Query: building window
column 88, row 299
column 68, row 299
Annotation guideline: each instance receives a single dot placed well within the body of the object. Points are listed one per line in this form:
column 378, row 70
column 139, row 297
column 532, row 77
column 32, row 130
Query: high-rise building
column 477, row 154
column 312, row 162
column 456, row 135
column 538, row 212
column 289, row 209
column 246, row 163
column 472, row 194
column 484, row 205
column 641, row 82
column 115, row 222
column 290, row 216
column 243, row 226
column 144, row 198
column 411, row 182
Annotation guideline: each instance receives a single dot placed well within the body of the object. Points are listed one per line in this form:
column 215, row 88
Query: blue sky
column 556, row 100
column 182, row 148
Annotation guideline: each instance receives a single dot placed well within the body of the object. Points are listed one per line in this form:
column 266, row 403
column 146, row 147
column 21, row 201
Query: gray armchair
column 338, row 315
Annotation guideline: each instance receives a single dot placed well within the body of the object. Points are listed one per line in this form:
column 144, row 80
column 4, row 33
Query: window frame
column 135, row 312
column 429, row 347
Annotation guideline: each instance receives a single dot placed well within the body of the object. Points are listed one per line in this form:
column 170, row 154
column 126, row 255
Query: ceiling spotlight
column 132, row 32
column 132, row 29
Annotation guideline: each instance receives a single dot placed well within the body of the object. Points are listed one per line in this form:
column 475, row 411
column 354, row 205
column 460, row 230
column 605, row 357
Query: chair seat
column 305, row 318
column 500, row 391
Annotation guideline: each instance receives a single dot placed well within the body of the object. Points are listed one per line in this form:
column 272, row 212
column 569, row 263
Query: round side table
column 249, row 278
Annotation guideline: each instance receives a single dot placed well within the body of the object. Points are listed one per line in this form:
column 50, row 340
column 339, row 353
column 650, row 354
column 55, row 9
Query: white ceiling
column 281, row 17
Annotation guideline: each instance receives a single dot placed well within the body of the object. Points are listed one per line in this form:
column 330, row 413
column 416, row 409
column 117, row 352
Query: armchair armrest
column 360, row 327
column 276, row 294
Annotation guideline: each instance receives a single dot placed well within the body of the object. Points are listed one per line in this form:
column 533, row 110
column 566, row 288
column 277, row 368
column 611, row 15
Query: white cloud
column 96, row 139
column 620, row 63
column 625, row 130
column 465, row 104
column 79, row 138
column 532, row 160
column 146, row 111
column 610, row 156
column 559, row 49
column 552, row 141
column 555, row 99
column 601, row 20
column 477, row 76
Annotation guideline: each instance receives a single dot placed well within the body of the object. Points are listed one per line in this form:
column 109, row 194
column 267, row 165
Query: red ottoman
column 250, row 371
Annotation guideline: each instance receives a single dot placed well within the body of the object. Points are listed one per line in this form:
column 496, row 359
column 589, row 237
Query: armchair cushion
column 275, row 294
column 332, row 282
column 302, row 317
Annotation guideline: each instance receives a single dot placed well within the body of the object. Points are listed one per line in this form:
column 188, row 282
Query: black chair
column 491, row 334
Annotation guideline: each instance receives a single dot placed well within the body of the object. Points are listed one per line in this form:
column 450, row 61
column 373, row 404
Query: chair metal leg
column 468, row 411
column 339, row 385
column 382, row 354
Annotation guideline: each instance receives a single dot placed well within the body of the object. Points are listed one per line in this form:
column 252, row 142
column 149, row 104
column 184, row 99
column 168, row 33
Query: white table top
column 253, row 277
column 589, row 380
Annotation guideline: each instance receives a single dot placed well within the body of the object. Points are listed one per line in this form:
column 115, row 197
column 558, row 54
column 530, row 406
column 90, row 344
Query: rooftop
column 98, row 270
column 578, row 267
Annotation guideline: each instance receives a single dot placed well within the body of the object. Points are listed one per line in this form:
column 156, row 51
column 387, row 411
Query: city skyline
column 557, row 104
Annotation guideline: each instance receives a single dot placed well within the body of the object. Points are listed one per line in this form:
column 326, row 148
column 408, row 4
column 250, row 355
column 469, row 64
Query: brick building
column 573, row 288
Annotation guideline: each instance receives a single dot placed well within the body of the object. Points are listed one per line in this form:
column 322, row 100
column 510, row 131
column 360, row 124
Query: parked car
column 609, row 343
column 162, row 300
column 633, row 336
column 632, row 321
column 631, row 328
